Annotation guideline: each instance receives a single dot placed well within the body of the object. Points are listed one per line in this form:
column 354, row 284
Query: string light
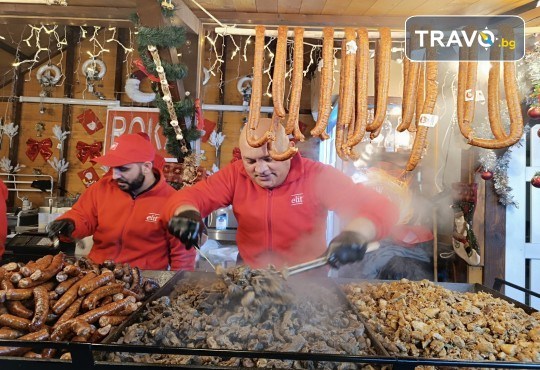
column 236, row 47
column 214, row 49
column 113, row 39
column 248, row 41
column 96, row 43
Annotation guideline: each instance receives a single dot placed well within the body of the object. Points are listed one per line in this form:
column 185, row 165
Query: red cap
column 129, row 148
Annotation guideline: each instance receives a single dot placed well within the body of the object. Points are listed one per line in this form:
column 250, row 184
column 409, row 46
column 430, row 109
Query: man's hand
column 347, row 247
column 186, row 226
column 63, row 227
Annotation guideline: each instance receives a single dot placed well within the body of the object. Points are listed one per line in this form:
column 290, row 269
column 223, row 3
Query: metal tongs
column 321, row 261
column 306, row 266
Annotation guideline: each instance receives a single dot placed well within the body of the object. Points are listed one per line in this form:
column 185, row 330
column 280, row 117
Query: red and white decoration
column 90, row 121
column 88, row 176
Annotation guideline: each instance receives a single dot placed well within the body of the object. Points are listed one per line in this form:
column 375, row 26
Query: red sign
column 129, row 120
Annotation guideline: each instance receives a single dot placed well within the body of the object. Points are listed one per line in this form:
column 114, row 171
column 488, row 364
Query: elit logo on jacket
column 152, row 217
column 297, row 199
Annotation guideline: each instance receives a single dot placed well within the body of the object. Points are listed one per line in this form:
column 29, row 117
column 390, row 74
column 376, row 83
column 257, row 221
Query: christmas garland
column 148, row 39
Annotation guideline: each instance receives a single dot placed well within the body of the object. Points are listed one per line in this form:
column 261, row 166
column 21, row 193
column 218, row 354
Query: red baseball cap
column 129, row 148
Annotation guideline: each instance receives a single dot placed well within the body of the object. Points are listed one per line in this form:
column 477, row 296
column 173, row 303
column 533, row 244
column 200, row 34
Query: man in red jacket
column 124, row 212
column 282, row 207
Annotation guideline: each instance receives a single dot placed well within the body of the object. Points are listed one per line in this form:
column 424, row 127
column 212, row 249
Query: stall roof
column 15, row 16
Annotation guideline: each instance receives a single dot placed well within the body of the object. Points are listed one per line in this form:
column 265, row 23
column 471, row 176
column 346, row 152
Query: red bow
column 42, row 147
column 88, row 151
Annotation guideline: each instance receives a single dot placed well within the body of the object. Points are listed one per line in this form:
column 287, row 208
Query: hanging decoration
column 172, row 114
column 199, row 115
column 133, row 91
column 498, row 165
column 216, row 139
column 48, row 75
column 535, row 181
column 88, row 151
column 59, row 165
column 5, row 166
column 167, row 8
column 534, row 102
column 35, row 147
column 11, row 130
column 94, row 70
column 464, row 241
column 39, row 127
column 90, row 121
column 59, row 134
column 244, row 87
column 88, row 176
column 209, row 126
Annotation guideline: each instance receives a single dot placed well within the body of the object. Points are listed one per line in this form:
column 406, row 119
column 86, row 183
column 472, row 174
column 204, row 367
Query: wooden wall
column 53, row 114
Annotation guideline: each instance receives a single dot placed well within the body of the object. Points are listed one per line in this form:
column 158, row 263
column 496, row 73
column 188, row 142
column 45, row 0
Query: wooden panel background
column 53, row 115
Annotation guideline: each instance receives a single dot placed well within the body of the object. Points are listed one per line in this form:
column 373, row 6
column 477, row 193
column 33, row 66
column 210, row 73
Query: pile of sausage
column 58, row 299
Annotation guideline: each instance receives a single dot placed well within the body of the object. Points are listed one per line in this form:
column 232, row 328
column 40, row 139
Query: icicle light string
column 248, row 41
column 96, row 44
column 113, row 39
column 236, row 47
column 214, row 49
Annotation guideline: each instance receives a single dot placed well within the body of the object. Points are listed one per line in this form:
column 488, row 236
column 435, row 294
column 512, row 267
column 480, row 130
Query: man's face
column 129, row 177
column 262, row 169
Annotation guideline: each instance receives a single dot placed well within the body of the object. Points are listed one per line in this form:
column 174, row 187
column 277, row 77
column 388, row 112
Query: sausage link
column 70, row 312
column 383, row 57
column 280, row 67
column 72, row 270
column 327, row 78
column 292, row 126
column 41, row 308
column 14, row 322
column 17, row 294
column 91, row 299
column 137, row 279
column 100, row 333
column 41, row 335
column 110, row 309
column 429, row 104
column 55, row 267
column 96, row 282
column 32, row 354
column 111, row 320
column 8, row 333
column 362, row 72
column 65, row 285
column 71, row 294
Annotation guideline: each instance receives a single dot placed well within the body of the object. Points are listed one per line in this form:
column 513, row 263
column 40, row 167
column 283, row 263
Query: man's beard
column 132, row 186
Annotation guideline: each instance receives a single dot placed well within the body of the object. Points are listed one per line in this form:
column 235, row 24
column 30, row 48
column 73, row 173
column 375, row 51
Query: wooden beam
column 184, row 16
column 119, row 72
column 16, row 112
column 69, row 21
column 307, row 20
column 11, row 50
column 72, row 36
column 72, row 15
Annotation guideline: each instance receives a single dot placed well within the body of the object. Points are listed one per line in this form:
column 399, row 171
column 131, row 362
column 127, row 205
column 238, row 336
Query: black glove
column 347, row 247
column 61, row 228
column 186, row 226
